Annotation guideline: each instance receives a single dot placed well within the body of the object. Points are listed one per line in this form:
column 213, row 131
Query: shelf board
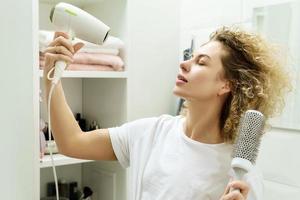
column 92, row 74
column 60, row 160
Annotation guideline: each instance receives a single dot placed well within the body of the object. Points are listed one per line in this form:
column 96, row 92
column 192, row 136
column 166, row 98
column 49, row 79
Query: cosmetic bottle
column 81, row 122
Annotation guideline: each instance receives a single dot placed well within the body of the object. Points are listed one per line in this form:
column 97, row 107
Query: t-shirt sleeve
column 123, row 137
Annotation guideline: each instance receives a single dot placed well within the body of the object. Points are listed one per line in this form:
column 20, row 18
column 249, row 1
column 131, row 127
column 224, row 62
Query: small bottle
column 87, row 193
column 93, row 125
column 78, row 117
column 81, row 122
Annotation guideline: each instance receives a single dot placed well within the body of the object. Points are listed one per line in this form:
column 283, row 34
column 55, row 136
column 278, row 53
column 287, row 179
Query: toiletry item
column 42, row 138
column 74, row 192
column 45, row 130
column 51, row 144
column 63, row 188
column 87, row 193
column 94, row 125
column 48, row 144
column 50, row 189
column 81, row 122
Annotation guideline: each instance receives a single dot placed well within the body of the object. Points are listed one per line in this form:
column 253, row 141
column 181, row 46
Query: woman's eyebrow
column 198, row 56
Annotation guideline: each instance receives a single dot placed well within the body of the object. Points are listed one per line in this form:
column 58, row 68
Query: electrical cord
column 57, row 74
column 49, row 141
column 57, row 71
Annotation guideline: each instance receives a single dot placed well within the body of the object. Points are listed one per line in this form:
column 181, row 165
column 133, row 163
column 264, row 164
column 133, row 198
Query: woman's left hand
column 236, row 195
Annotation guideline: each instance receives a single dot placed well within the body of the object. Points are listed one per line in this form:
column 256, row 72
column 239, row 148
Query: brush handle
column 238, row 175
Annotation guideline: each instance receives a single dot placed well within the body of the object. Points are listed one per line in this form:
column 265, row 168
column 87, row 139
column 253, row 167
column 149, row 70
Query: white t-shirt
column 165, row 164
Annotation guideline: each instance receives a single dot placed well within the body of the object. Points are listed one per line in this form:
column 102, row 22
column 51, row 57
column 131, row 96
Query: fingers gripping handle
column 238, row 175
column 59, row 67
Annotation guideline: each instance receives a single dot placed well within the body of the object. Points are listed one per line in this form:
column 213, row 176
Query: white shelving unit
column 144, row 89
column 94, row 95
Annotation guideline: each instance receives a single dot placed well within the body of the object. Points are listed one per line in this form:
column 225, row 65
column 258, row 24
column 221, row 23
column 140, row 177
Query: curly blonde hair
column 256, row 75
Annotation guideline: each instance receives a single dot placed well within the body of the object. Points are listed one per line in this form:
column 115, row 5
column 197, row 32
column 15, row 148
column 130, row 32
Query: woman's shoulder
column 168, row 120
column 160, row 119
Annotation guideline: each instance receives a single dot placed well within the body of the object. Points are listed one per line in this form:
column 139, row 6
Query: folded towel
column 114, row 52
column 97, row 59
column 82, row 67
column 86, row 67
column 112, row 45
column 100, row 59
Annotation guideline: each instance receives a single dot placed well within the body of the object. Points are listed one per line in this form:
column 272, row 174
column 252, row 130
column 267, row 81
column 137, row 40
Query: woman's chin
column 177, row 92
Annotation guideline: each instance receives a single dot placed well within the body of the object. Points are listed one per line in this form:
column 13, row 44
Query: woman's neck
column 203, row 123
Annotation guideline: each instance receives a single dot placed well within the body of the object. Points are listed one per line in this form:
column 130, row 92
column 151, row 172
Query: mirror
column 280, row 23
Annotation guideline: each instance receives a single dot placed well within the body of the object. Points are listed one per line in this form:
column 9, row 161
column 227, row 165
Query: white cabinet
column 99, row 96
column 150, row 31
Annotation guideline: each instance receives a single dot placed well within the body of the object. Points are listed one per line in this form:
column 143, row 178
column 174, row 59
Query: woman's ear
column 225, row 88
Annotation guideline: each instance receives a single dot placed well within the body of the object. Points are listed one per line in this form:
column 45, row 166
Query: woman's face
column 200, row 78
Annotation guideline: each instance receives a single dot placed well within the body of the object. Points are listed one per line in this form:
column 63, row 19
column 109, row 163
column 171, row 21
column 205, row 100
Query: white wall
column 153, row 57
column 19, row 102
column 278, row 155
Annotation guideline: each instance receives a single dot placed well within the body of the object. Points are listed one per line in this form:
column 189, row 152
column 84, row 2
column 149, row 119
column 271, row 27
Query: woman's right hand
column 240, row 194
column 60, row 48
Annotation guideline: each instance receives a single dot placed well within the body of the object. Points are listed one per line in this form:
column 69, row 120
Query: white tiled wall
column 278, row 158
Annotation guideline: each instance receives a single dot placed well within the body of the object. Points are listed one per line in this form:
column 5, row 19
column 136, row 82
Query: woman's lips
column 181, row 79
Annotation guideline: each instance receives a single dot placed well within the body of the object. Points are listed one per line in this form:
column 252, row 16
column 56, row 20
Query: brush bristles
column 250, row 131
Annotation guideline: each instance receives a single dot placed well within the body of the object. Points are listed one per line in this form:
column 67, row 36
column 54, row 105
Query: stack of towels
column 90, row 57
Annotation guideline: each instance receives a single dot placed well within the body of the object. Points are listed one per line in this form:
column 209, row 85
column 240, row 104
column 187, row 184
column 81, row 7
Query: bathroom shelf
column 60, row 160
column 92, row 74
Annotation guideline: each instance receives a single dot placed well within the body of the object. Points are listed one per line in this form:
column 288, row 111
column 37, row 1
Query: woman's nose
column 185, row 66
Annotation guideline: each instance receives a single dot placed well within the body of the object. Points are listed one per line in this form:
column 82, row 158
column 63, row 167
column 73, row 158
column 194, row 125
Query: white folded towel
column 110, row 43
column 111, row 46
column 114, row 52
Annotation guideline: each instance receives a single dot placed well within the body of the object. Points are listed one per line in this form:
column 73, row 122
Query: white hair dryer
column 76, row 22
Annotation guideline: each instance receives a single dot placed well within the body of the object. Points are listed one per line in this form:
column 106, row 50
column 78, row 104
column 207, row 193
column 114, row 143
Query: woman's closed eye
column 201, row 62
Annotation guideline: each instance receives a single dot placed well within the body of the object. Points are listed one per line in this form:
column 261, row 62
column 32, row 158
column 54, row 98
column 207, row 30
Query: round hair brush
column 247, row 143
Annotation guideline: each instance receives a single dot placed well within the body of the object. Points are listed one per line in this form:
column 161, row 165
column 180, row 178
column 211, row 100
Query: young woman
column 185, row 157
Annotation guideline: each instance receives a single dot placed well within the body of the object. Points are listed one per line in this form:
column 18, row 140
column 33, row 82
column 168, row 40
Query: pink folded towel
column 100, row 59
column 86, row 67
column 83, row 67
column 112, row 61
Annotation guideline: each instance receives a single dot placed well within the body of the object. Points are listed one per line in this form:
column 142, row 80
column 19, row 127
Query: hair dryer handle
column 60, row 67
column 58, row 71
